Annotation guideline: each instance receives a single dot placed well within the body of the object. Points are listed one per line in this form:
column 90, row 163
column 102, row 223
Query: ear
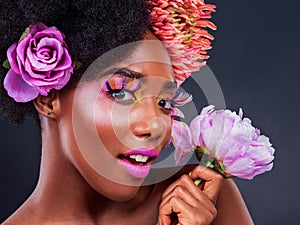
column 48, row 106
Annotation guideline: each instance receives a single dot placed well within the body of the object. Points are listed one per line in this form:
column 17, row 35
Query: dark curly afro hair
column 91, row 27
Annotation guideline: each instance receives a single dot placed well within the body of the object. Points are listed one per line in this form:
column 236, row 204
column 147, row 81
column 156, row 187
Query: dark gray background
column 255, row 58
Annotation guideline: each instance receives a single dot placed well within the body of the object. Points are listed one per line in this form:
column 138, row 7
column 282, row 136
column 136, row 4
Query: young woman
column 103, row 121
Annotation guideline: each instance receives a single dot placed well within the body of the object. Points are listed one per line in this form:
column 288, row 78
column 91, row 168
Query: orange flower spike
column 163, row 3
column 181, row 29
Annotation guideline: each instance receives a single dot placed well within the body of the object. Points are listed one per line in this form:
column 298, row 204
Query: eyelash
column 118, row 93
column 120, row 84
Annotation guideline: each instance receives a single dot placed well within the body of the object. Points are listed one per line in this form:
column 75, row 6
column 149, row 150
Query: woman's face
column 119, row 123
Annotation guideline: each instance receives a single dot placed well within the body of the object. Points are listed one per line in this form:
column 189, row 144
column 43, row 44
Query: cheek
column 111, row 121
column 168, row 122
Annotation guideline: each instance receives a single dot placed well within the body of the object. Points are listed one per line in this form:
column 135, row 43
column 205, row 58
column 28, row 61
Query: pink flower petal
column 18, row 89
column 65, row 61
column 181, row 138
column 12, row 58
column 21, row 49
column 51, row 32
column 36, row 28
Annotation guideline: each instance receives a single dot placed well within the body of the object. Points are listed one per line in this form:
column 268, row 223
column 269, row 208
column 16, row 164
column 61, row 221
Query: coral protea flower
column 180, row 25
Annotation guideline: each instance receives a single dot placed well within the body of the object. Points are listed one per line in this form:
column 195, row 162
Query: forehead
column 148, row 57
column 151, row 59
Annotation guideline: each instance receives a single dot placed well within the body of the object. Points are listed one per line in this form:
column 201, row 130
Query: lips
column 137, row 161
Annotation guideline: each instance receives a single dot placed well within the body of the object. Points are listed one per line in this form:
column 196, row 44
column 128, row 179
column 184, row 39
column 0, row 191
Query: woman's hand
column 193, row 205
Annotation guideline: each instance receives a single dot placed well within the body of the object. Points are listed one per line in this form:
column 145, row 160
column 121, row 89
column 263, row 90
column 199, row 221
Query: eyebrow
column 125, row 72
column 136, row 75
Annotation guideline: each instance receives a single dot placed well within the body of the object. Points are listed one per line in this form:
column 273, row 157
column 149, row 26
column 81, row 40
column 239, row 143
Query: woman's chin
column 122, row 193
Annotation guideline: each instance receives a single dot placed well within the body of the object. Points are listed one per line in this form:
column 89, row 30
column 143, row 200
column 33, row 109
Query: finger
column 191, row 194
column 186, row 214
column 170, row 206
column 213, row 181
column 184, row 180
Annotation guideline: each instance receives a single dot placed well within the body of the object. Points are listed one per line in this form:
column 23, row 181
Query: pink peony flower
column 233, row 145
column 39, row 61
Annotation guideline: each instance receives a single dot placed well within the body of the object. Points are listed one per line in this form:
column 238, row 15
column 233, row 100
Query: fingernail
column 190, row 173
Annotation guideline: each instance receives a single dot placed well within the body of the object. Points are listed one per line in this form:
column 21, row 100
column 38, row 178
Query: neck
column 63, row 194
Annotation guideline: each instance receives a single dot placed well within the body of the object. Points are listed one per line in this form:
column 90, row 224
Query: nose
column 147, row 120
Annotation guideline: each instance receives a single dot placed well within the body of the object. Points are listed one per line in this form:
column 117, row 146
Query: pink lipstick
column 136, row 162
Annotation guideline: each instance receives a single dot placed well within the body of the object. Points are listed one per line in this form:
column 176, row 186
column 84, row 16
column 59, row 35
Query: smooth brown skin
column 71, row 191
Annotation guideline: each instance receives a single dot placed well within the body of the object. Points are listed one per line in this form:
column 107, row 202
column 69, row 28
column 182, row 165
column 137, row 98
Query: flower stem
column 197, row 182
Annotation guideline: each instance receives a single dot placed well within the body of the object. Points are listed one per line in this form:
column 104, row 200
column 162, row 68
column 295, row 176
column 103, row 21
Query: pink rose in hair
column 39, row 62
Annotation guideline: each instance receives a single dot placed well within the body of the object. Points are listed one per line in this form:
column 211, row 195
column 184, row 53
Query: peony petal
column 242, row 167
column 261, row 155
column 223, row 149
column 207, row 110
column 18, row 89
column 195, row 128
column 177, row 112
column 181, row 138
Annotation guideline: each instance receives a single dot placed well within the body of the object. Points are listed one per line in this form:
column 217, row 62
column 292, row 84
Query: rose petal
column 51, row 32
column 53, row 44
column 64, row 80
column 18, row 89
column 46, row 55
column 22, row 48
column 65, row 62
column 39, row 65
column 58, row 84
column 29, row 75
column 12, row 58
column 36, row 28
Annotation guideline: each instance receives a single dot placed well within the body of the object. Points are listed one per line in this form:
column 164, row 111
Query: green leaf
column 25, row 33
column 78, row 65
column 6, row 64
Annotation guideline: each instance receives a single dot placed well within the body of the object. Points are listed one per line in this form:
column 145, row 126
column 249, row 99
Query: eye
column 123, row 96
column 166, row 104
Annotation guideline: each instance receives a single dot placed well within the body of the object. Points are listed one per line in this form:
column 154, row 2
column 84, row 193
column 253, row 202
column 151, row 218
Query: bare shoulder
column 15, row 219
column 231, row 206
column 22, row 216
